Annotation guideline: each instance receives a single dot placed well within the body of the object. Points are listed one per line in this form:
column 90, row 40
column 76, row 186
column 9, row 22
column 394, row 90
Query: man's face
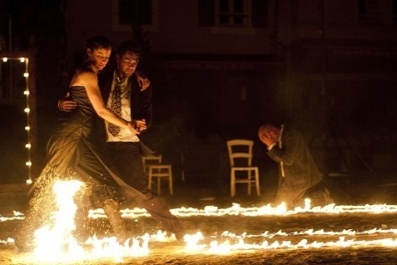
column 127, row 64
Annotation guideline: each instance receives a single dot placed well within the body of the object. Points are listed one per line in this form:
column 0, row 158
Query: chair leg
column 170, row 182
column 158, row 185
column 249, row 183
column 258, row 190
column 150, row 179
column 232, row 184
column 160, row 172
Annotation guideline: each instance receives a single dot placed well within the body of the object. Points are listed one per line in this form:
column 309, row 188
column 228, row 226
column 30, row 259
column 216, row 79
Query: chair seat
column 244, row 168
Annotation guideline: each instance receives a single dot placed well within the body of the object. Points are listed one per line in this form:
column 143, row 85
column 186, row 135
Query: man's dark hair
column 131, row 47
column 98, row 42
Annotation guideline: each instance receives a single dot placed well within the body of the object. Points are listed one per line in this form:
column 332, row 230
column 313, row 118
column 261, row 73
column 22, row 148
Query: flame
column 17, row 216
column 232, row 243
column 265, row 210
column 56, row 243
column 236, row 209
column 52, row 240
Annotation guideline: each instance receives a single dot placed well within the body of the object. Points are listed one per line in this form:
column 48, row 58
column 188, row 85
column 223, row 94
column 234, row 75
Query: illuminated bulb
column 26, row 110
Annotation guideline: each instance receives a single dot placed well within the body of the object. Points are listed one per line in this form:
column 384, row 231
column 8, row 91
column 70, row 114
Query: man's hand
column 143, row 81
column 66, row 105
column 267, row 139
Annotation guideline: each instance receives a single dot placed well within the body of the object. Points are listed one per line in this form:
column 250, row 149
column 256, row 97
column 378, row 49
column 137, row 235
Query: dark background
column 350, row 125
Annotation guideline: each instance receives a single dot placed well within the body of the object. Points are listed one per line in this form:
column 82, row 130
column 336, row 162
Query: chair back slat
column 240, row 150
column 151, row 160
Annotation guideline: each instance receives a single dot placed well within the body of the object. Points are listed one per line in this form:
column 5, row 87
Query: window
column 369, row 12
column 134, row 12
column 394, row 11
column 233, row 13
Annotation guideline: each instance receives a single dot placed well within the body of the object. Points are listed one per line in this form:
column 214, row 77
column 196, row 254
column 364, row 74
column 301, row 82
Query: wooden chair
column 156, row 170
column 241, row 169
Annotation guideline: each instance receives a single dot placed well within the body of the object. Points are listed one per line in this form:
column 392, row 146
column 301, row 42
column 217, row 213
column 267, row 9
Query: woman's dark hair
column 98, row 42
column 93, row 43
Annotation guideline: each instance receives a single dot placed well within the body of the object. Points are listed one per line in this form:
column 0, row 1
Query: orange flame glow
column 57, row 240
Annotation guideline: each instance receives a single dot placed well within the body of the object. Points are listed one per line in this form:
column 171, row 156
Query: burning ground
column 245, row 235
column 219, row 231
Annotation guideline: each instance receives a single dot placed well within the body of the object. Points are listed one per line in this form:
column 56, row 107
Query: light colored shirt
column 280, row 145
column 125, row 135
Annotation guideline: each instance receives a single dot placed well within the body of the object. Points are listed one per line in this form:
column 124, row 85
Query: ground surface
column 176, row 253
column 172, row 252
column 255, row 230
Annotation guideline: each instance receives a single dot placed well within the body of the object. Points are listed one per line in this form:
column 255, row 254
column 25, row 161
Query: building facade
column 221, row 67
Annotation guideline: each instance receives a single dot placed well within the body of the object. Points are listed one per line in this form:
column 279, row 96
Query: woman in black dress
column 72, row 155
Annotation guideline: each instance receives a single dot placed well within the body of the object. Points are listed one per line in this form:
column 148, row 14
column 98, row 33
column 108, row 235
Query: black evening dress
column 72, row 155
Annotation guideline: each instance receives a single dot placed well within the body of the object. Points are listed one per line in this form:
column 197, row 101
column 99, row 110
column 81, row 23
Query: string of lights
column 26, row 92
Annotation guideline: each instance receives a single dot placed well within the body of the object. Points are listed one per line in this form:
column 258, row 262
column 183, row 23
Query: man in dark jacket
column 299, row 175
column 122, row 93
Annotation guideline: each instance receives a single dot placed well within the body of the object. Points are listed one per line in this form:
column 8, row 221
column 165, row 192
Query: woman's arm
column 90, row 82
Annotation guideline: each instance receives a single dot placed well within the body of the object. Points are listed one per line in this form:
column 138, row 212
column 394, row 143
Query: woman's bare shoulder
column 84, row 78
